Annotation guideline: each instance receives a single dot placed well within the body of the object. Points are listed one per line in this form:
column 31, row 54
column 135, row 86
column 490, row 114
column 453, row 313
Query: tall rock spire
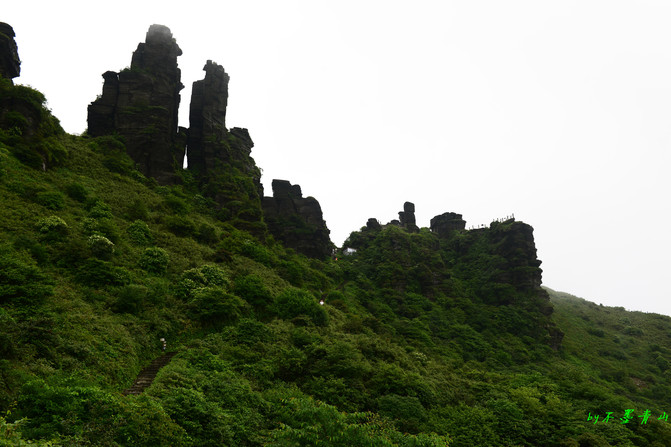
column 141, row 104
column 207, row 118
column 10, row 64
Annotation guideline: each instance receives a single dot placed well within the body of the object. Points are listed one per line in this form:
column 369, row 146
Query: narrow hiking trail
column 147, row 375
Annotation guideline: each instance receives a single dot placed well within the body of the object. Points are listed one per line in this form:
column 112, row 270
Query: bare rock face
column 407, row 217
column 445, row 224
column 296, row 221
column 220, row 158
column 373, row 224
column 141, row 104
column 10, row 64
column 207, row 119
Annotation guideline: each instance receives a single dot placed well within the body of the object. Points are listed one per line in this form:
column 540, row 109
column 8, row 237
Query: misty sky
column 558, row 112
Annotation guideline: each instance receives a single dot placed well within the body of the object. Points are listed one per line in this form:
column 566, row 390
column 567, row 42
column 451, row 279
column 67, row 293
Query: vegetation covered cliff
column 406, row 336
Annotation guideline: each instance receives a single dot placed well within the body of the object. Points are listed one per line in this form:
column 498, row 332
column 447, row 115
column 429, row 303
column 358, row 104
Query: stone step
column 148, row 374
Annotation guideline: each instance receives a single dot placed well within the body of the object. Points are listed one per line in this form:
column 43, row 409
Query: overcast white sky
column 558, row 112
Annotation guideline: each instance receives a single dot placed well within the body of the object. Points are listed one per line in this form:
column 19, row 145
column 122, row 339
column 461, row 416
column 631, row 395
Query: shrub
column 180, row 226
column 631, row 330
column 176, row 205
column 100, row 209
column 21, row 281
column 215, row 305
column 407, row 411
column 102, row 226
column 292, row 303
column 100, row 246
column 154, row 260
column 97, row 273
column 52, row 200
column 36, row 250
column 214, row 276
column 130, row 299
column 662, row 363
column 205, row 276
column 252, row 289
column 52, row 227
column 139, row 233
column 137, row 210
column 76, row 192
column 206, row 234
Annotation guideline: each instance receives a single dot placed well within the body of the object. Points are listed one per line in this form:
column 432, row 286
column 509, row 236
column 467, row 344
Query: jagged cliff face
column 207, row 119
column 10, row 64
column 297, row 221
column 444, row 225
column 141, row 104
column 221, row 158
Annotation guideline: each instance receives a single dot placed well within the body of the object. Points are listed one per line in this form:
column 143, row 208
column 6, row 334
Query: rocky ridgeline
column 510, row 241
column 297, row 221
column 140, row 104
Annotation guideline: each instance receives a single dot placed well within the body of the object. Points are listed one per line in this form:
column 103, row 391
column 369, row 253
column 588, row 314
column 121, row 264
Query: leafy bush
column 180, row 226
column 52, row 227
column 100, row 209
column 154, row 260
column 21, row 281
column 194, row 279
column 101, row 226
column 305, row 422
column 252, row 289
column 52, row 200
column 100, row 246
column 292, row 303
column 130, row 299
column 206, row 234
column 631, row 330
column 139, row 233
column 214, row 305
column 77, row 192
column 176, row 205
column 36, row 250
column 98, row 273
column 214, row 276
column 137, row 210
column 407, row 411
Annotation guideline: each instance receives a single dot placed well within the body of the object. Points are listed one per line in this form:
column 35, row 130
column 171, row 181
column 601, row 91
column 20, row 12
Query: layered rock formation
column 211, row 147
column 207, row 119
column 297, row 221
column 407, row 217
column 141, row 104
column 445, row 224
column 514, row 243
column 10, row 64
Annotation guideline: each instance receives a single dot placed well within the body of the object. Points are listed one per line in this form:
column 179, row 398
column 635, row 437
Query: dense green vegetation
column 421, row 341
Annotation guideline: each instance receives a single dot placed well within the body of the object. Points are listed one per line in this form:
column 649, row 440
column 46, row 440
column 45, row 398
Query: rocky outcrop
column 514, row 242
column 373, row 224
column 207, row 120
column 446, row 224
column 10, row 64
column 141, row 104
column 297, row 221
column 220, row 158
column 407, row 217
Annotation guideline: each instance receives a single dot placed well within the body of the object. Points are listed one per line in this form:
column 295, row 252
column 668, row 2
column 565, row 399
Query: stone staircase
column 147, row 375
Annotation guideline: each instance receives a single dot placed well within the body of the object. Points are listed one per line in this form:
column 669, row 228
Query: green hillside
column 424, row 338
